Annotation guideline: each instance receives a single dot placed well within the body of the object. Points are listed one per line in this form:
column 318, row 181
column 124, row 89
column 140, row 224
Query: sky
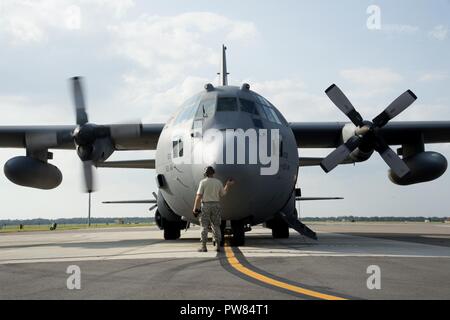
column 142, row 59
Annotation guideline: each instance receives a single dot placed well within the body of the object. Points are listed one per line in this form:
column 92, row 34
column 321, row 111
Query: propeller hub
column 364, row 129
column 84, row 135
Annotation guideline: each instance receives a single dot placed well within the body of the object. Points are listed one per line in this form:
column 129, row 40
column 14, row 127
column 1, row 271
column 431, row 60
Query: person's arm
column 197, row 202
column 198, row 199
column 225, row 190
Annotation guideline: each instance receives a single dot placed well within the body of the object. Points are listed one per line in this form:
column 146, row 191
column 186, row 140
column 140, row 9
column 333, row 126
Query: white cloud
column 26, row 111
column 298, row 103
column 433, row 76
column 368, row 82
column 167, row 51
column 376, row 77
column 28, row 22
column 23, row 30
column 439, row 32
column 171, row 45
column 160, row 103
column 426, row 112
column 292, row 98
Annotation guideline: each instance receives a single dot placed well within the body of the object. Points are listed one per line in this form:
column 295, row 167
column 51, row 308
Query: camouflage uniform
column 211, row 214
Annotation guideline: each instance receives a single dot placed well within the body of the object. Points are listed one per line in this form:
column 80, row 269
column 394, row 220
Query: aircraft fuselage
column 184, row 150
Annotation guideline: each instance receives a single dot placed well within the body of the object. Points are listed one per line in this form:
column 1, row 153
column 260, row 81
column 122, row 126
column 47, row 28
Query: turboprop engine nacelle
column 357, row 155
column 33, row 173
column 424, row 167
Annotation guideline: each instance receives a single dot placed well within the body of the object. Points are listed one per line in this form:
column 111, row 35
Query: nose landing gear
column 235, row 231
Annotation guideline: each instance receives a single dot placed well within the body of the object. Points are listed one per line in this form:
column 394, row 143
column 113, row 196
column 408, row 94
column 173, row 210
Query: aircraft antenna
column 224, row 72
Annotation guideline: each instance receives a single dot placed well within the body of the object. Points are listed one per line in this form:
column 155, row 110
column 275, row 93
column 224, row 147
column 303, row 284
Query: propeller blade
column 397, row 165
column 340, row 154
column 395, row 108
column 342, row 102
column 153, row 207
column 154, row 194
column 88, row 176
column 80, row 107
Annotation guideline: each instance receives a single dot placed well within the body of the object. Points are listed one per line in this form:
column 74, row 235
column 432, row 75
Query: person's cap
column 209, row 170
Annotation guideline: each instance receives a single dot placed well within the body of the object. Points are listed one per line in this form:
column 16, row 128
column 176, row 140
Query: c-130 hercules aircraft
column 255, row 198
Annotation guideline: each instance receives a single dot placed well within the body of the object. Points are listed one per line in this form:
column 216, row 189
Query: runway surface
column 135, row 263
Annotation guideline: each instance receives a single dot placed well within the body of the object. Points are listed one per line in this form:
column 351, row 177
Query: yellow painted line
column 234, row 262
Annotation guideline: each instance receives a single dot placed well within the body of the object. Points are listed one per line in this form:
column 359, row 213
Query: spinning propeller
column 95, row 143
column 367, row 136
column 83, row 135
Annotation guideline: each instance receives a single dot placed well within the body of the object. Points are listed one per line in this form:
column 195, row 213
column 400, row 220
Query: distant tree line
column 139, row 220
column 41, row 221
column 376, row 219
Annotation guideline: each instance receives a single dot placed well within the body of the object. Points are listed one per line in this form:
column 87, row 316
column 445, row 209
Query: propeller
column 367, row 136
column 84, row 135
column 95, row 143
column 156, row 205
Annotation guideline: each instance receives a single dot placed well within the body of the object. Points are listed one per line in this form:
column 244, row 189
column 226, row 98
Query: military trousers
column 211, row 216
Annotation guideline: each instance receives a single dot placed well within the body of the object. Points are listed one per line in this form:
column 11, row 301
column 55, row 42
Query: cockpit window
column 268, row 113
column 281, row 118
column 227, row 104
column 267, row 110
column 248, row 106
column 272, row 115
column 206, row 108
column 262, row 100
column 187, row 110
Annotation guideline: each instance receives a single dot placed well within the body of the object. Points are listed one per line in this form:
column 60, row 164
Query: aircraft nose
column 253, row 189
column 242, row 195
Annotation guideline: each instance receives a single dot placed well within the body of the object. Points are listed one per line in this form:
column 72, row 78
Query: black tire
column 171, row 231
column 238, row 239
column 280, row 230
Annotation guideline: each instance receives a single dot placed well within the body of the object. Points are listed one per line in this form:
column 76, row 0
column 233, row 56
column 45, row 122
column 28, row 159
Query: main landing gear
column 280, row 228
column 172, row 229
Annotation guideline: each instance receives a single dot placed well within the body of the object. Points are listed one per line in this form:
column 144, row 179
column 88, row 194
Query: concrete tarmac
column 136, row 263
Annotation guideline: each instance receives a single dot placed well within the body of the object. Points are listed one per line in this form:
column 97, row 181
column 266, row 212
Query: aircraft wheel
column 171, row 230
column 238, row 234
column 280, row 231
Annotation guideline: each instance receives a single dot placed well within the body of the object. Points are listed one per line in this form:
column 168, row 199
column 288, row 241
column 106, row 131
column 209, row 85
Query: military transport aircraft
column 255, row 198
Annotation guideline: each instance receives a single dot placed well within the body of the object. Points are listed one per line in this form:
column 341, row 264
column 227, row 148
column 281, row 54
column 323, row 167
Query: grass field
column 60, row 227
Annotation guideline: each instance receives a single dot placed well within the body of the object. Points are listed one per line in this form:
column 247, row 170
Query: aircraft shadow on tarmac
column 429, row 239
column 92, row 245
column 259, row 241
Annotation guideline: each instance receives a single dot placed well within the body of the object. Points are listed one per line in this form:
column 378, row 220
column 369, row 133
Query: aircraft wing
column 315, row 161
column 329, row 134
column 357, row 141
column 131, row 202
column 130, row 164
column 143, row 137
column 317, row 198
